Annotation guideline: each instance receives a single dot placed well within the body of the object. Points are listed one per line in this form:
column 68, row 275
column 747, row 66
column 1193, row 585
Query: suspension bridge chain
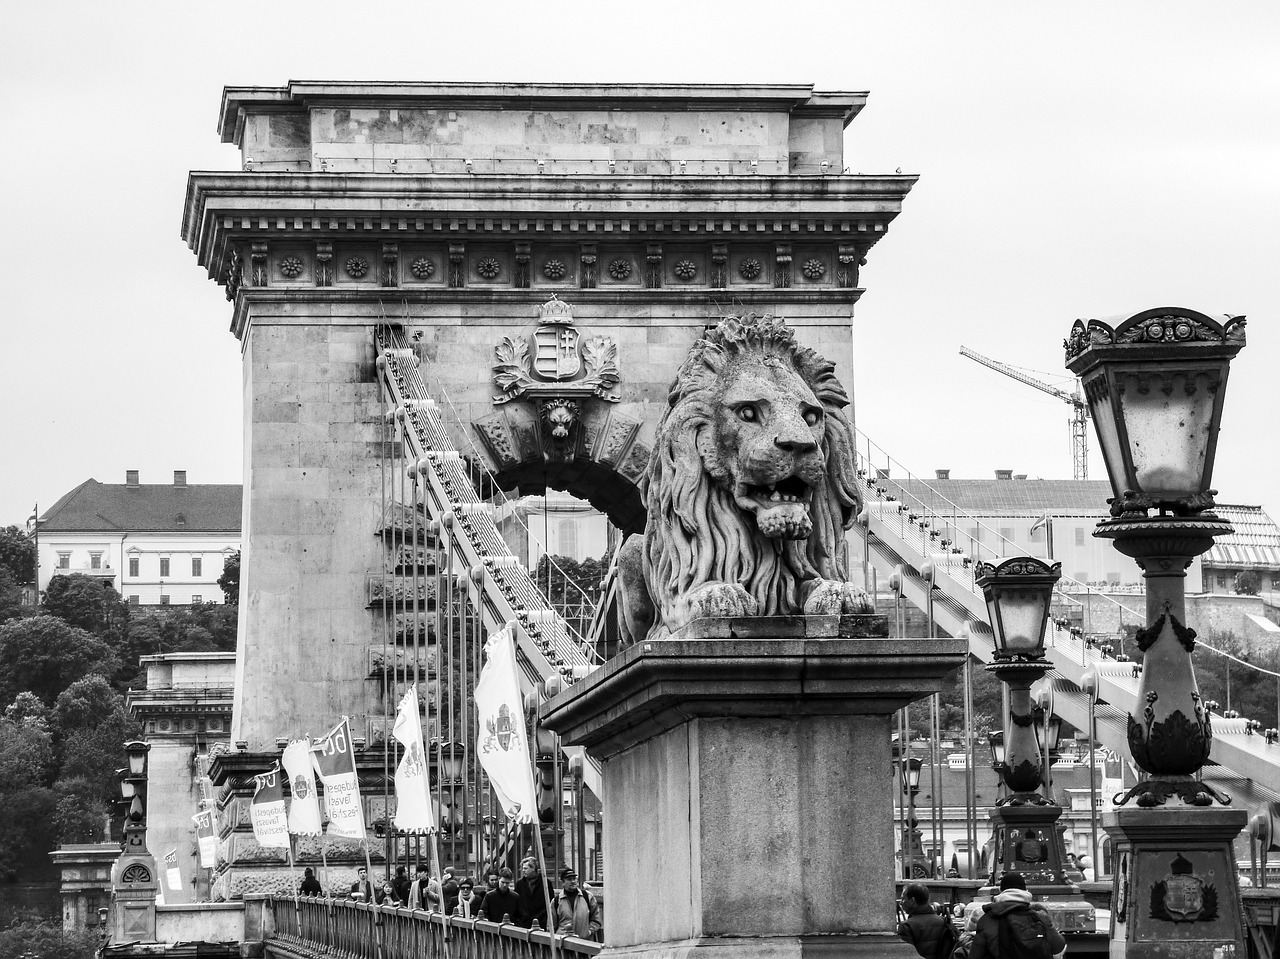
column 505, row 592
column 910, row 527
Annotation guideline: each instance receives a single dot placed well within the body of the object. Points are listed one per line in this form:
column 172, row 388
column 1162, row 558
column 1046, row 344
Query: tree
column 1247, row 583
column 47, row 940
column 10, row 596
column 45, row 655
column 18, row 555
column 92, row 604
column 26, row 763
column 95, row 725
column 229, row 581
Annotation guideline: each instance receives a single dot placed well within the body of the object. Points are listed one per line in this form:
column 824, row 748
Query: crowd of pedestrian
column 575, row 911
column 1011, row 926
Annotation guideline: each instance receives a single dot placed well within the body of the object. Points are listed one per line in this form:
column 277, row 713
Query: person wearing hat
column 1011, row 928
column 577, row 912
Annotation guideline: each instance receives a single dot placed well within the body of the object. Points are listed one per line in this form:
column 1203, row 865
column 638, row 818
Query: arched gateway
column 549, row 253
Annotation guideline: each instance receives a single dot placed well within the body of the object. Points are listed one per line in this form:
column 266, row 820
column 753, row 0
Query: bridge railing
column 354, row 930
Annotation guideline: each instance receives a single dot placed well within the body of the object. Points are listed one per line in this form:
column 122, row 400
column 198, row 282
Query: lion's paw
column 722, row 599
column 830, row 598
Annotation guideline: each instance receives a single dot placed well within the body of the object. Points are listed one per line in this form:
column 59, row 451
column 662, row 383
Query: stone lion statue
column 749, row 490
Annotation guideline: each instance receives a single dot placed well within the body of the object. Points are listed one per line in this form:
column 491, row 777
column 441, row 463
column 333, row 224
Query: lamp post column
column 1156, row 384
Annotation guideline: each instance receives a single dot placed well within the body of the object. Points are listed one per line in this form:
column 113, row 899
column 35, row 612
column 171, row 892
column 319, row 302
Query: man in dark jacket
column 310, row 884
column 1011, row 928
column 923, row 927
column 502, row 904
column 534, row 892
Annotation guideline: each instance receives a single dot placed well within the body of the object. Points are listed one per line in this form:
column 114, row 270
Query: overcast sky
column 1077, row 160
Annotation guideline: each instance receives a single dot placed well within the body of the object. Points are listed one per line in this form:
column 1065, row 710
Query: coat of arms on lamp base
column 1174, row 891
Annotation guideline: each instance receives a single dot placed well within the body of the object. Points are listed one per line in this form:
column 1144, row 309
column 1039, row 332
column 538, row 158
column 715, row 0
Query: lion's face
column 768, row 435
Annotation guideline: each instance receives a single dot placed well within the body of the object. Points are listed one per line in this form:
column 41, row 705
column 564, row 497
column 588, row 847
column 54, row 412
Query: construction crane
column 1080, row 409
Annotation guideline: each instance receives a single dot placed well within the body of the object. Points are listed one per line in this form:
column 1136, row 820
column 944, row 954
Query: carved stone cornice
column 225, row 207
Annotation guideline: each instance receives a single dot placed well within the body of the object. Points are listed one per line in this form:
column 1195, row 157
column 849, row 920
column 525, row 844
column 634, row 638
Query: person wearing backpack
column 931, row 934
column 1011, row 928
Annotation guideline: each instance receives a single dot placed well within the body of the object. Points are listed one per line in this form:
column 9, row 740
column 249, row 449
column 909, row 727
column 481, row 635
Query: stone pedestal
column 749, row 790
column 1174, row 892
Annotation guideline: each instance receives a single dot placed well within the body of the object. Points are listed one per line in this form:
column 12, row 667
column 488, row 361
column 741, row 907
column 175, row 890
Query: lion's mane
column 696, row 533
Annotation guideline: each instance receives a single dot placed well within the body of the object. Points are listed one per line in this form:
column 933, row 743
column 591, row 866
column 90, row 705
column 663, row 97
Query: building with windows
column 1054, row 520
column 156, row 544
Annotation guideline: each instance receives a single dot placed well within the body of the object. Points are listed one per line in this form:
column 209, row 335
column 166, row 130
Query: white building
column 157, row 544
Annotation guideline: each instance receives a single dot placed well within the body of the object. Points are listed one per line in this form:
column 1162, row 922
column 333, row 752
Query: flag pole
column 546, row 892
column 293, row 877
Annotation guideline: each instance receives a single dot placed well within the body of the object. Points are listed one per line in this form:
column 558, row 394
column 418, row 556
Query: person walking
column 401, row 883
column 535, row 892
column 449, row 895
column 501, row 904
column 1010, row 928
column 362, row 888
column 424, row 892
column 310, row 884
column 468, row 899
column 576, row 912
column 930, row 933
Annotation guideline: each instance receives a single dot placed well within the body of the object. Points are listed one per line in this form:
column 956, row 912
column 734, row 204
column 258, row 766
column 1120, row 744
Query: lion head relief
column 750, row 486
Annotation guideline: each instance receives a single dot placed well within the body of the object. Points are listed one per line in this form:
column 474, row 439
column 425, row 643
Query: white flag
column 172, row 874
column 304, row 810
column 207, row 838
column 336, row 762
column 413, row 792
column 266, row 810
column 504, row 745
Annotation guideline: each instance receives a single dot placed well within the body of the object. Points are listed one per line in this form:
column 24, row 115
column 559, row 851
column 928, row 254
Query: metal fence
column 357, row 930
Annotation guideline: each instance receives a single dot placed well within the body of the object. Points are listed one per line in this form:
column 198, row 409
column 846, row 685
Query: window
column 64, row 561
column 1222, row 582
column 1079, row 535
column 1080, row 576
column 95, row 561
column 134, row 600
column 1007, row 533
column 164, row 565
column 196, row 599
column 197, row 566
column 133, row 566
column 164, row 599
column 569, row 538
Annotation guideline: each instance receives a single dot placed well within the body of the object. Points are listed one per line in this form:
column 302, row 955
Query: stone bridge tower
column 552, row 250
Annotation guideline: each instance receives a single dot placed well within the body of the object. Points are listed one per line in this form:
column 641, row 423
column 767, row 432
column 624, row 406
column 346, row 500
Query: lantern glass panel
column 1168, row 419
column 1103, row 413
column 1023, row 612
column 996, row 742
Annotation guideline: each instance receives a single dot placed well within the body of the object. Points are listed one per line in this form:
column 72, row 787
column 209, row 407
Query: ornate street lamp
column 1155, row 383
column 1018, row 594
column 915, row 865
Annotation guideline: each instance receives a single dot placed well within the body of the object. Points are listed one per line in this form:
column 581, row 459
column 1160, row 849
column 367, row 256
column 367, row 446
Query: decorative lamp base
column 1174, row 893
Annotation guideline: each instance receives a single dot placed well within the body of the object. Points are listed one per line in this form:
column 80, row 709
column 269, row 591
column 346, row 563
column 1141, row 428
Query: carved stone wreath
column 357, row 266
column 620, row 269
column 813, row 268
column 290, row 266
column 750, row 268
column 422, row 268
column 489, row 267
column 553, row 270
column 686, row 269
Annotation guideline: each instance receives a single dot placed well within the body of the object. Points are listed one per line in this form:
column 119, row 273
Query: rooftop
column 146, row 507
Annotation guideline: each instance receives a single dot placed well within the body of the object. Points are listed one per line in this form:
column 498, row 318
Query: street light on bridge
column 1018, row 594
column 1156, row 384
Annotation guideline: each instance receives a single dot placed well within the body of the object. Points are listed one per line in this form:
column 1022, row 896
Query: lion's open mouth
column 789, row 490
column 781, row 509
